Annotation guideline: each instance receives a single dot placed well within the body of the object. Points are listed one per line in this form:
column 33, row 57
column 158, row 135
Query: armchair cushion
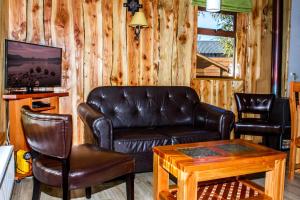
column 258, row 126
column 85, row 161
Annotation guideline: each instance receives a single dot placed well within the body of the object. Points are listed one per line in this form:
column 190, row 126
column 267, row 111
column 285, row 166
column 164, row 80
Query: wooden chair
column 295, row 122
column 56, row 162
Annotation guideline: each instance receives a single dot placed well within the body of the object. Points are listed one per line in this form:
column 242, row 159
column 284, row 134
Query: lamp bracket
column 133, row 6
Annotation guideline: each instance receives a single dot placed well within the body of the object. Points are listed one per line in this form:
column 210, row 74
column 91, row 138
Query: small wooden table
column 206, row 161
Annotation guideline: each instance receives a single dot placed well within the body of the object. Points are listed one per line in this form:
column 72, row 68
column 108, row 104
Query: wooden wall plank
column 264, row 80
column 175, row 68
column 166, row 18
column 185, row 39
column 286, row 45
column 93, row 65
column 61, row 30
column 146, row 49
column 133, row 54
column 47, row 21
column 241, row 45
column 156, row 39
column 107, row 31
column 35, row 27
column 77, row 94
column 119, row 44
column 3, row 34
column 17, row 28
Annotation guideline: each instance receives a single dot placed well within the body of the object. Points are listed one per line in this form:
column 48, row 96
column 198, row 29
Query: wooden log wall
column 3, row 33
column 99, row 47
column 253, row 60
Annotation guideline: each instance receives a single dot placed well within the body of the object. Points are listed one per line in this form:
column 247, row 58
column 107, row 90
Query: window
column 216, row 44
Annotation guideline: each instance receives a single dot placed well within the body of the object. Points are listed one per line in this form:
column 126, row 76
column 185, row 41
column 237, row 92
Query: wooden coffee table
column 207, row 161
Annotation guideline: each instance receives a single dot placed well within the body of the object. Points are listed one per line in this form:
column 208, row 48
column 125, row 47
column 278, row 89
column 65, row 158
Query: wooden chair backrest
column 294, row 107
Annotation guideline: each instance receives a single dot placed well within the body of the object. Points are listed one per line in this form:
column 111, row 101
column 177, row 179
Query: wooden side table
column 15, row 103
column 206, row 161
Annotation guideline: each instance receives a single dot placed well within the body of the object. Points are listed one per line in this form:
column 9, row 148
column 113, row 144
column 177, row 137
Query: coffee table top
column 204, row 155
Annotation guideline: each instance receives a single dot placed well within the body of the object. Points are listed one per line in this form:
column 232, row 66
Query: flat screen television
column 31, row 66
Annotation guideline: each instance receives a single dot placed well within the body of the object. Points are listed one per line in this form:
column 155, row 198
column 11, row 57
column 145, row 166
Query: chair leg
column 88, row 192
column 292, row 160
column 130, row 186
column 65, row 179
column 36, row 194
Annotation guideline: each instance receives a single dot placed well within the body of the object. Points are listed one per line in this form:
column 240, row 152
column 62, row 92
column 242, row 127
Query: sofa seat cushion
column 257, row 126
column 135, row 140
column 188, row 134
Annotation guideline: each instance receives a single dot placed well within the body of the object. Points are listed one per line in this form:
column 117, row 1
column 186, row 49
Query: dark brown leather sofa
column 133, row 120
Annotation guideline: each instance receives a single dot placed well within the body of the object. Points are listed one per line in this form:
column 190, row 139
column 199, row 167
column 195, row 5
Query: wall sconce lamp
column 133, row 6
column 213, row 5
column 138, row 21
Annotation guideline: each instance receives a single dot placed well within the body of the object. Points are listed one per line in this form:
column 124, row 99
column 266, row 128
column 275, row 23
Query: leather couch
column 134, row 119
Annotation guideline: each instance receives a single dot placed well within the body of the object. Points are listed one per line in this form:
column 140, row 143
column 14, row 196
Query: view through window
column 216, row 44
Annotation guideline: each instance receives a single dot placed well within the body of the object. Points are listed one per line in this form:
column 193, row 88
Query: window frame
column 220, row 33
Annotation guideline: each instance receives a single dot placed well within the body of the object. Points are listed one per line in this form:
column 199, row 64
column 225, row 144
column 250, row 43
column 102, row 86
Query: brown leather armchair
column 57, row 163
column 269, row 126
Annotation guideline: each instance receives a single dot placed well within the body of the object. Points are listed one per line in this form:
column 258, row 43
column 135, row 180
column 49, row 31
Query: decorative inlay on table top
column 234, row 148
column 200, row 152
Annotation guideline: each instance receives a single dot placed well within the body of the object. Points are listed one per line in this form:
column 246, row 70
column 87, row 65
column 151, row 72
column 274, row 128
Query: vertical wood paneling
column 47, row 21
column 107, row 29
column 146, row 50
column 61, row 30
column 264, row 80
column 17, row 28
column 218, row 92
column 35, row 28
column 3, row 34
column 254, row 52
column 166, row 18
column 156, row 39
column 175, row 71
column 133, row 54
column 77, row 68
column 93, row 66
column 241, row 45
column 119, row 44
column 185, row 38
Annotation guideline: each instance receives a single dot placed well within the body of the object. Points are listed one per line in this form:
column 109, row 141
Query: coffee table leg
column 187, row 186
column 274, row 183
column 160, row 178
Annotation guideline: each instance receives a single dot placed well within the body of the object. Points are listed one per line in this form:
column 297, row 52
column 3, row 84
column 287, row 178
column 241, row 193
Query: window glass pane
column 215, row 56
column 215, row 21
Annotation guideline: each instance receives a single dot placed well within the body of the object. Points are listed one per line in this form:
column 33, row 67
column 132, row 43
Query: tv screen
column 31, row 65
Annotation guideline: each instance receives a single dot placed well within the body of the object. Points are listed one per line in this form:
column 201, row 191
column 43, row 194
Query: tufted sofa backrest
column 145, row 106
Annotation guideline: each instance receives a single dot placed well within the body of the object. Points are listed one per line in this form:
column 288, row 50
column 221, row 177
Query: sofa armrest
column 213, row 118
column 97, row 123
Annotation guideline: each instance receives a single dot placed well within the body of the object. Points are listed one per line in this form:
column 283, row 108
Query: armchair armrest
column 97, row 123
column 213, row 118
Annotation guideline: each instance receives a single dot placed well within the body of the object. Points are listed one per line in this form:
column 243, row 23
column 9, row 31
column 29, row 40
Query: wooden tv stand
column 15, row 103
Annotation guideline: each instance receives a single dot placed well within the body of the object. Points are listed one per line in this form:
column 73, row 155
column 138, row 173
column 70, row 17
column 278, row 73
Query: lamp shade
column 138, row 19
column 213, row 5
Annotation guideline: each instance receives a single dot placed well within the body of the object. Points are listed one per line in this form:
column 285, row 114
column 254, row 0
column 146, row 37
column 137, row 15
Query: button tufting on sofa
column 150, row 116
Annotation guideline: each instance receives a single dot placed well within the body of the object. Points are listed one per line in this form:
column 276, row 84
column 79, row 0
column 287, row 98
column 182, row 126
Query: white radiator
column 7, row 172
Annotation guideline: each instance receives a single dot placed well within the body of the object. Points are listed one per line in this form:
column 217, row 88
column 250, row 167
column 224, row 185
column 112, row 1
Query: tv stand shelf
column 15, row 96
column 15, row 103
